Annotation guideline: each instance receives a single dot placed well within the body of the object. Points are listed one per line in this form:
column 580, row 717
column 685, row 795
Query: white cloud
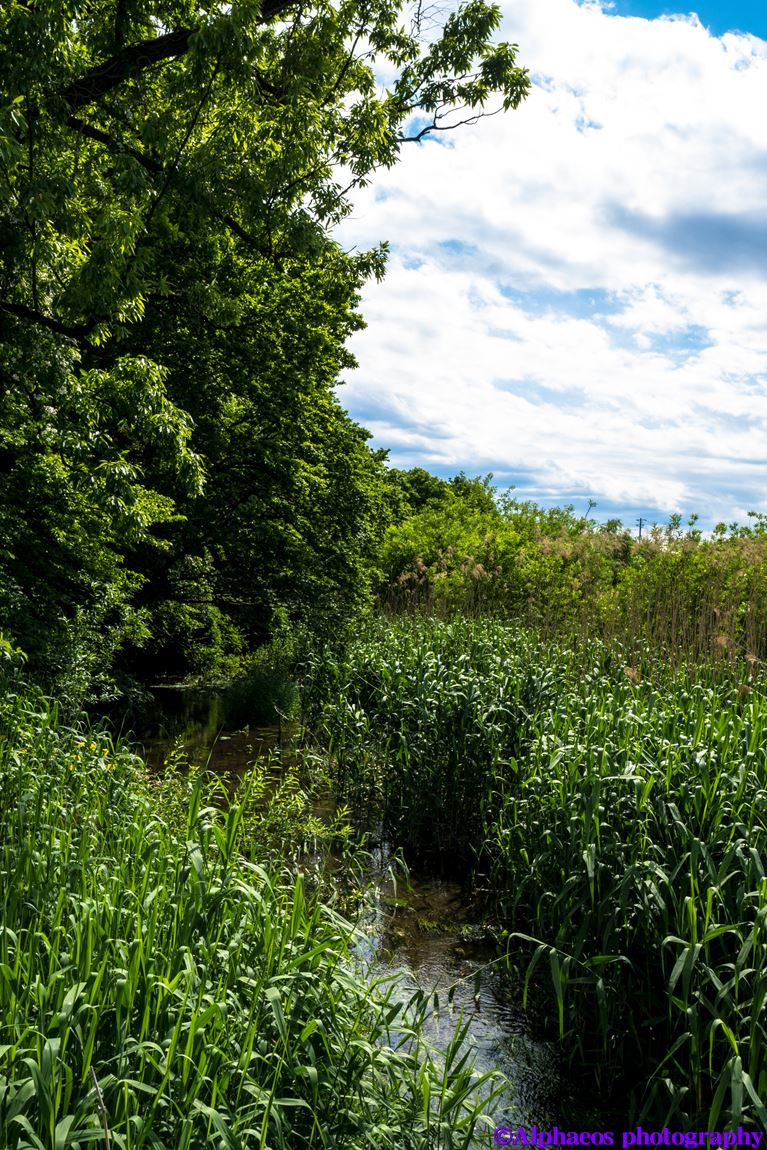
column 578, row 290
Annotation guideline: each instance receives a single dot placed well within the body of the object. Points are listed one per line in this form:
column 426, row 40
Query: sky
column 576, row 297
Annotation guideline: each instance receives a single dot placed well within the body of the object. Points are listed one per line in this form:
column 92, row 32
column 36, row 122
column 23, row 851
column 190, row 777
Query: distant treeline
column 304, row 556
column 460, row 548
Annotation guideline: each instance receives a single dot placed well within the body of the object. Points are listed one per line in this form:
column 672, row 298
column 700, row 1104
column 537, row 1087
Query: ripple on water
column 424, row 936
column 422, row 933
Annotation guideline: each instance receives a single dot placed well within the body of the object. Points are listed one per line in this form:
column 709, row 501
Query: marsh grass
column 160, row 987
column 616, row 814
column 419, row 719
column 695, row 599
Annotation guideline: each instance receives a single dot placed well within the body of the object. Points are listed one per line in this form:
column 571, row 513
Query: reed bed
column 161, row 988
column 615, row 814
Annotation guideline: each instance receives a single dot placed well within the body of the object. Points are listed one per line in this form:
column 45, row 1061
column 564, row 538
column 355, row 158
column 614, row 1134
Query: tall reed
column 617, row 813
column 159, row 989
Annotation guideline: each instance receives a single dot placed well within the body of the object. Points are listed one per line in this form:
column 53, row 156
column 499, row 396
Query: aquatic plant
column 158, row 988
column 419, row 720
column 616, row 814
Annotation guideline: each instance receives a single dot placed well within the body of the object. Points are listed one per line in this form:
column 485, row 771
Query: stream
column 418, row 928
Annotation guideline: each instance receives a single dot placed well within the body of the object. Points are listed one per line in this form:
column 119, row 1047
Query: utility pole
column 640, row 521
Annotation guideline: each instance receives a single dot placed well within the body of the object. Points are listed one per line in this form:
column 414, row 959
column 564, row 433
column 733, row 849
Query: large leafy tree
column 173, row 309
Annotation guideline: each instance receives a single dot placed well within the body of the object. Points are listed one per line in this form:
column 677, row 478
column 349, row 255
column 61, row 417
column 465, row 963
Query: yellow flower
column 93, row 746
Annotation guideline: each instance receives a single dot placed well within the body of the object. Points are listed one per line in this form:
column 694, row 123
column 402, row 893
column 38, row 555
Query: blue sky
column 577, row 294
column 736, row 15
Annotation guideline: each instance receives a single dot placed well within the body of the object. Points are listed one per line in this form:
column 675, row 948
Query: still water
column 422, row 931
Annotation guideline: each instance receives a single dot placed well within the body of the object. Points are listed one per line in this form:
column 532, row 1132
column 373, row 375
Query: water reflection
column 211, row 728
column 424, row 931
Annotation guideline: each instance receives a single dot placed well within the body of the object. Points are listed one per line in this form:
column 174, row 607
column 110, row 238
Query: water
column 212, row 731
column 423, row 930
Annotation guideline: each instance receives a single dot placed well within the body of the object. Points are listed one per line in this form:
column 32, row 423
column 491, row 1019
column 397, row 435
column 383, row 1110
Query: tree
column 415, row 489
column 170, row 293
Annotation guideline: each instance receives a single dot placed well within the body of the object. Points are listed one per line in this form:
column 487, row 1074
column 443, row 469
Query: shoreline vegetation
column 612, row 812
column 570, row 721
column 608, row 807
column 167, row 980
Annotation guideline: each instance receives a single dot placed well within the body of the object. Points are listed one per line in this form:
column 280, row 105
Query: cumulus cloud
column 577, row 296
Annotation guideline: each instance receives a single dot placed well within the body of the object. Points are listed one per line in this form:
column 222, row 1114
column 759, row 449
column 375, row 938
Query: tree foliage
column 174, row 309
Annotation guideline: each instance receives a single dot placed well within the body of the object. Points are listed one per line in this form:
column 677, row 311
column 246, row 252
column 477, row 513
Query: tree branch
column 151, row 165
column 126, row 63
column 342, row 74
column 108, row 141
column 18, row 310
column 137, row 58
column 436, row 126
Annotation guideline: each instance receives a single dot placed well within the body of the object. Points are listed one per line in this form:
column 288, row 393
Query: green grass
column 617, row 817
column 161, row 988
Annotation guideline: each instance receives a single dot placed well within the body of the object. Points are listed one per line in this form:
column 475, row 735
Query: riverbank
column 163, row 985
column 427, row 932
column 612, row 809
column 606, row 820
